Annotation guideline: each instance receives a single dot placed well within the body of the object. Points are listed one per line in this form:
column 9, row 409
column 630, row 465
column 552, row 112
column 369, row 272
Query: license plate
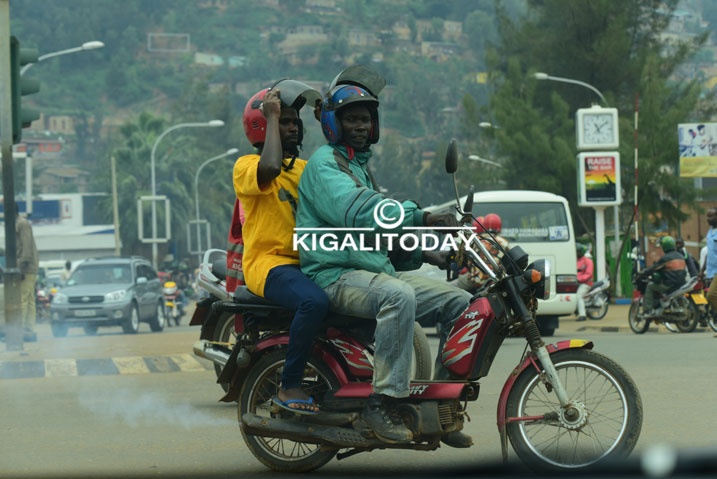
column 85, row 313
column 699, row 298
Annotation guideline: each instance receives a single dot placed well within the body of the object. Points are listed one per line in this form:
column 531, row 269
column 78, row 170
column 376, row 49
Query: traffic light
column 22, row 117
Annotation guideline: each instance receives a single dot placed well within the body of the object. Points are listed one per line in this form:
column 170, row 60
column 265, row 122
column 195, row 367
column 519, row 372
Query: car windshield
column 53, row 281
column 528, row 222
column 101, row 273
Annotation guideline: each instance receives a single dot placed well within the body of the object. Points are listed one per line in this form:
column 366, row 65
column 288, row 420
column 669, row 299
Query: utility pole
column 13, row 319
column 115, row 207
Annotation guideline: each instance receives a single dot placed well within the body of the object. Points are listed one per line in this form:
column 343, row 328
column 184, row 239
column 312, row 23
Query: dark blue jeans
column 288, row 286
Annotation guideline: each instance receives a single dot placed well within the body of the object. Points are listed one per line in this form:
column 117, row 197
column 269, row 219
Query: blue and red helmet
column 340, row 97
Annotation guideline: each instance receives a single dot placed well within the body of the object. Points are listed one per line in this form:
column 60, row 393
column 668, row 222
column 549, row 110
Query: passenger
column 266, row 184
column 337, row 190
column 585, row 278
column 670, row 274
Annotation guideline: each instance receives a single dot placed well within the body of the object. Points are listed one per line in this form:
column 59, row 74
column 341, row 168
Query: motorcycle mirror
column 452, row 157
column 468, row 206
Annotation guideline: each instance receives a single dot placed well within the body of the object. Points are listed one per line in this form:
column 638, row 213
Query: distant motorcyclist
column 585, row 278
column 668, row 274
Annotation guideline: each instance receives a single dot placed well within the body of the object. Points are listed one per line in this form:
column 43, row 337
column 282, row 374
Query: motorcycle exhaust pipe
column 305, row 432
column 216, row 354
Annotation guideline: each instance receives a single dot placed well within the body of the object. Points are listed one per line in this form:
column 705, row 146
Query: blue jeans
column 288, row 286
column 396, row 303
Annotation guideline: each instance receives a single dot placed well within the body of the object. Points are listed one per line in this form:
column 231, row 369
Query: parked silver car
column 109, row 291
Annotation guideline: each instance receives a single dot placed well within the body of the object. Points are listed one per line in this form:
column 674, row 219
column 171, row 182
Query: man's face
column 679, row 244
column 355, row 123
column 289, row 129
column 712, row 217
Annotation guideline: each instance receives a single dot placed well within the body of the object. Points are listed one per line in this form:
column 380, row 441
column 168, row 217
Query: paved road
column 135, row 418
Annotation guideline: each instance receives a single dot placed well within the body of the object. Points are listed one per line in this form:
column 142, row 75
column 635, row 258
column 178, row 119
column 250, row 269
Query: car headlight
column 115, row 296
column 59, row 298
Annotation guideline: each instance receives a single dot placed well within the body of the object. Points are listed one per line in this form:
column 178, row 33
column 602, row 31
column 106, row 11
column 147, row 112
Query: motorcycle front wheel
column 260, row 386
column 637, row 321
column 608, row 429
column 599, row 311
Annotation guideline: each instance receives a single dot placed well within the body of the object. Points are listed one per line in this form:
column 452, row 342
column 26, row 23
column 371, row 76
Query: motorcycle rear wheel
column 610, row 429
column 692, row 315
column 598, row 312
column 224, row 332
column 637, row 322
column 260, row 386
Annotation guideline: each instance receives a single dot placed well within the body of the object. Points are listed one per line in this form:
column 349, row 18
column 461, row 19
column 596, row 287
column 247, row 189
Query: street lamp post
column 28, row 162
column 85, row 46
column 212, row 123
column 599, row 211
column 230, row 152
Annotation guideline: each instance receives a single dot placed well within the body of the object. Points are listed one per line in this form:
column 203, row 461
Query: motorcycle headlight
column 115, row 296
column 541, row 289
column 59, row 298
column 170, row 290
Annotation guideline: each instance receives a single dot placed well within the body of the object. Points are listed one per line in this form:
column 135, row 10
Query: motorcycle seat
column 243, row 295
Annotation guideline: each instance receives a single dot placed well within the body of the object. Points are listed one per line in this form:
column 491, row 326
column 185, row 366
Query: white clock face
column 598, row 129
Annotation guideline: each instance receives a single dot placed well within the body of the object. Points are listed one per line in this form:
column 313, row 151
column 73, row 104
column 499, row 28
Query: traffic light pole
column 13, row 319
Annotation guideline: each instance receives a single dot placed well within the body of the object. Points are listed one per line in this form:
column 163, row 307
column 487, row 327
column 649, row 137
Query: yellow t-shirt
column 269, row 225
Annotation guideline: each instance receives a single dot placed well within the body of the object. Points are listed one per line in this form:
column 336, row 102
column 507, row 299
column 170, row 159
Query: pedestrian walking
column 27, row 260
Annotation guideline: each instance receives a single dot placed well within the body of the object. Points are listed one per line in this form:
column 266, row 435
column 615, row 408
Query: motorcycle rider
column 709, row 268
column 266, row 184
column 337, row 190
column 585, row 278
column 669, row 274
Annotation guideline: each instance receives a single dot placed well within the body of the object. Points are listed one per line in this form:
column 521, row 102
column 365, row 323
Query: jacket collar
column 361, row 157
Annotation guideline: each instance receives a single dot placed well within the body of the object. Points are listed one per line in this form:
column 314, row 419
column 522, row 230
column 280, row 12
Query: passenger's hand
column 271, row 104
column 436, row 258
column 442, row 219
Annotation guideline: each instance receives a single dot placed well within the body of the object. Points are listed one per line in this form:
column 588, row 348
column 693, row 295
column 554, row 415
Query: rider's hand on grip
column 439, row 220
column 441, row 259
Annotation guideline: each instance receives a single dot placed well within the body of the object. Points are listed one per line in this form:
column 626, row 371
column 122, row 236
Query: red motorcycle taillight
column 566, row 283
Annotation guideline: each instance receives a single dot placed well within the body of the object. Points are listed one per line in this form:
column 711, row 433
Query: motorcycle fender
column 200, row 313
column 531, row 361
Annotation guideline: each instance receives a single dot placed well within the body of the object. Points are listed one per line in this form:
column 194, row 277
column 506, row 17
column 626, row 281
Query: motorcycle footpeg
column 300, row 431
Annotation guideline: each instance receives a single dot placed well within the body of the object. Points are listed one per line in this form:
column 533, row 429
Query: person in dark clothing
column 669, row 274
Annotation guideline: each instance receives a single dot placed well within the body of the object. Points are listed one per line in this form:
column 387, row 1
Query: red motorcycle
column 564, row 406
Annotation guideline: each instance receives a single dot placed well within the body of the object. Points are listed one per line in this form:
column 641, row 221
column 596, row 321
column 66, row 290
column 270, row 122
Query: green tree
column 613, row 46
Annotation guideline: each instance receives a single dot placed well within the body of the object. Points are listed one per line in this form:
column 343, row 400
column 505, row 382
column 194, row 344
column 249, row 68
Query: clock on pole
column 597, row 128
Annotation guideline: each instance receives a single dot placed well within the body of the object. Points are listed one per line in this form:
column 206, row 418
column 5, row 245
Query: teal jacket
column 330, row 198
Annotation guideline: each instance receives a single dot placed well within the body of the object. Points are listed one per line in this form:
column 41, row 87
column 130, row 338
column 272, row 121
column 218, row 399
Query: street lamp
column 212, row 123
column 545, row 76
column 230, row 152
column 483, row 160
column 599, row 212
column 85, row 46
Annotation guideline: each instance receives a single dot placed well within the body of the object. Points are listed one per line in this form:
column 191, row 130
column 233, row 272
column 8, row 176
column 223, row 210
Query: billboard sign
column 698, row 149
column 599, row 178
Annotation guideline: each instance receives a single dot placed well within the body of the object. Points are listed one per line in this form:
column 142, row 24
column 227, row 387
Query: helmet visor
column 359, row 75
column 297, row 94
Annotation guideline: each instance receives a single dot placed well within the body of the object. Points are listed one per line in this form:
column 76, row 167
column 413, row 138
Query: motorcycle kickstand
column 351, row 452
